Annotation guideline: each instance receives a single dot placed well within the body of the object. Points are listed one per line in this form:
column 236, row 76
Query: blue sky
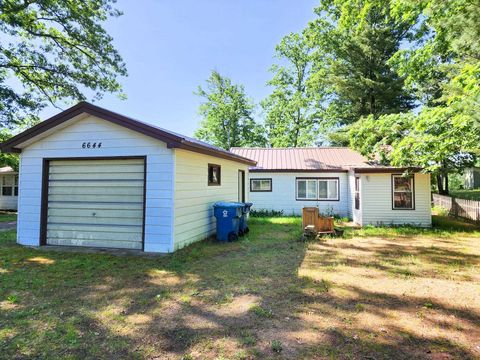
column 171, row 46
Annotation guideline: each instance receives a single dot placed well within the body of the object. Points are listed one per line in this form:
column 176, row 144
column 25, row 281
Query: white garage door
column 96, row 203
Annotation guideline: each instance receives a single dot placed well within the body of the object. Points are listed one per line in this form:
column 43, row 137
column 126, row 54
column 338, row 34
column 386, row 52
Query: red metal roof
column 304, row 159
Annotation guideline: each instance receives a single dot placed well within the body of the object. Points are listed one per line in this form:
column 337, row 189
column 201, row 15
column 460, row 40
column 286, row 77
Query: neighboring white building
column 338, row 181
column 91, row 177
column 472, row 178
column 8, row 188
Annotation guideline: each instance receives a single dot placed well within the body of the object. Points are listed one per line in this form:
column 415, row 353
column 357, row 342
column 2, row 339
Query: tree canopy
column 227, row 115
column 443, row 68
column 292, row 108
column 353, row 42
column 54, row 51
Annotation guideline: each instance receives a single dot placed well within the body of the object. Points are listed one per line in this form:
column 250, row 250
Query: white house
column 9, row 188
column 472, row 178
column 338, row 181
column 91, row 177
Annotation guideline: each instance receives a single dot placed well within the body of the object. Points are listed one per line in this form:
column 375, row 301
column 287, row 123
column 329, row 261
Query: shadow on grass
column 210, row 299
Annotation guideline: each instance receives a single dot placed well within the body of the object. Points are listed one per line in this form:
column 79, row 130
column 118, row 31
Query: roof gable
column 173, row 140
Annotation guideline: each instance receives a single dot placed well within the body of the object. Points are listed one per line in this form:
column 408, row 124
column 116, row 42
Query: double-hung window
column 10, row 185
column 317, row 189
column 403, row 197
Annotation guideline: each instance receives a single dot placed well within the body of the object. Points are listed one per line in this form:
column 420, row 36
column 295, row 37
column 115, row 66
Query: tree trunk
column 446, row 183
column 442, row 183
column 441, row 191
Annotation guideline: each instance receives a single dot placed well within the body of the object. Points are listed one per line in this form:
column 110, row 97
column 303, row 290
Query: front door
column 241, row 186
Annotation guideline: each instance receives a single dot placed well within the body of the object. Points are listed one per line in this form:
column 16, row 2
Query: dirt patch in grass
column 377, row 293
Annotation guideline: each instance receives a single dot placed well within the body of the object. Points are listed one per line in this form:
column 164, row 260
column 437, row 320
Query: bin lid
column 228, row 204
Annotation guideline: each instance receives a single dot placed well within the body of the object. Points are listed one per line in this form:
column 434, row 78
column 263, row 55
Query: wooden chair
column 311, row 220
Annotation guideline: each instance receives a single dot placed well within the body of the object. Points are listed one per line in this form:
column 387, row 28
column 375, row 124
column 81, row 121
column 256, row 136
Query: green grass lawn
column 8, row 216
column 376, row 293
column 467, row 194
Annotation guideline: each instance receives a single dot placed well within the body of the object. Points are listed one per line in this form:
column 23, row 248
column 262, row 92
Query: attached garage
column 90, row 177
column 95, row 202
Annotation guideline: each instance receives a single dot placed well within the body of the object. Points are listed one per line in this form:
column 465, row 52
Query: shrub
column 266, row 213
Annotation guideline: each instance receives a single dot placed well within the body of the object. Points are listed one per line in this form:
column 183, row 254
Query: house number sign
column 91, row 145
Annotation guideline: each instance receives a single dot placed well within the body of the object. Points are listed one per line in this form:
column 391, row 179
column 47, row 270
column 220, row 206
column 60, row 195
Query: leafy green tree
column 54, row 51
column 227, row 115
column 353, row 42
column 443, row 68
column 7, row 159
column 291, row 109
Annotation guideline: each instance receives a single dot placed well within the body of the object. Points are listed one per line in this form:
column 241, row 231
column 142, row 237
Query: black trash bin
column 243, row 227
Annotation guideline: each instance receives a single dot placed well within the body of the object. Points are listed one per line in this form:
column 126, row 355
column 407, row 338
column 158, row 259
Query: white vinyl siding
column 116, row 141
column 96, row 203
column 194, row 199
column 283, row 196
column 376, row 201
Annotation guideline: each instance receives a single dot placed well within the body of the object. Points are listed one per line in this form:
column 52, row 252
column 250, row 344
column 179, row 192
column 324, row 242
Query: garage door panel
column 92, row 205
column 79, row 228
column 96, row 203
column 127, row 183
column 115, row 189
column 97, row 162
column 95, row 220
column 89, row 169
column 93, row 235
column 100, row 243
column 100, row 198
column 99, row 213
column 98, row 176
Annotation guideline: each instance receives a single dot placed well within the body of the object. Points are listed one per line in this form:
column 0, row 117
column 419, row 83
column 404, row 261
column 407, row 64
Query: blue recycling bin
column 228, row 216
column 244, row 219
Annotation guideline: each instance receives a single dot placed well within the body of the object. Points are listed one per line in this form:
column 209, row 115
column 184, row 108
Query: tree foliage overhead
column 53, row 51
column 227, row 115
column 292, row 108
column 353, row 41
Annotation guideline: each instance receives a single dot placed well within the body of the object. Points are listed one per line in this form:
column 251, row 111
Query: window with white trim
column 260, row 185
column 10, row 185
column 317, row 189
column 403, row 192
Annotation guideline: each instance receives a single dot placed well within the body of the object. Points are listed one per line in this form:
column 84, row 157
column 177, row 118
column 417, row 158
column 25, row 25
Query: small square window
column 214, row 174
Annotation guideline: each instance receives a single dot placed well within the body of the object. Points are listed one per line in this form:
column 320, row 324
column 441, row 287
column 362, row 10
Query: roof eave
column 340, row 170
column 387, row 170
column 190, row 146
column 172, row 141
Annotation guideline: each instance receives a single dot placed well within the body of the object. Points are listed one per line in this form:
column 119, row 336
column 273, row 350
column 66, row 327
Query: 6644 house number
column 91, row 145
